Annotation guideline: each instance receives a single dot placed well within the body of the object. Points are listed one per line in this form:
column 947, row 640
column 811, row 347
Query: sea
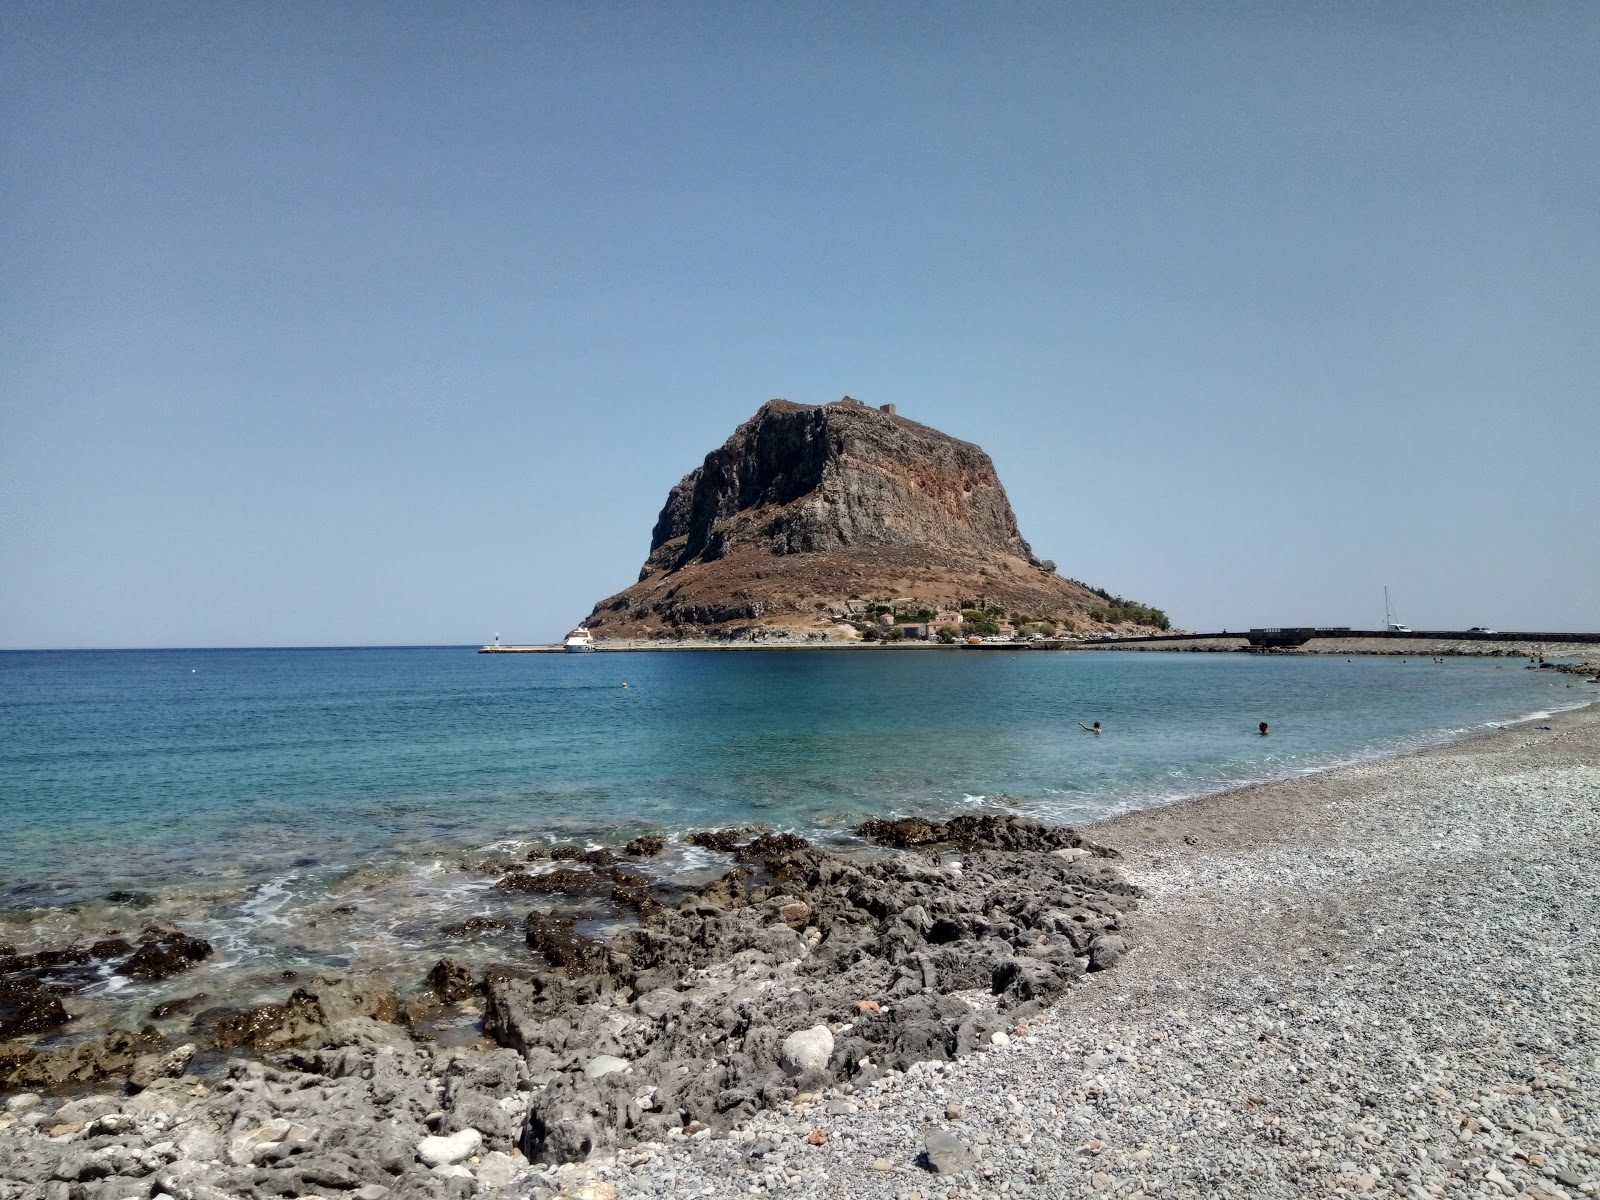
column 318, row 809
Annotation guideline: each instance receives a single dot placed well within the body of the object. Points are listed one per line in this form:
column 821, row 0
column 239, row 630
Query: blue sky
column 377, row 323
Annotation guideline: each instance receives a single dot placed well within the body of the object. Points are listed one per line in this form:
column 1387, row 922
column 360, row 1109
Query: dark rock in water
column 647, row 846
column 451, row 980
column 595, row 858
column 473, row 926
column 903, row 833
column 165, row 952
column 182, row 1004
column 499, row 866
column 555, row 936
column 45, row 960
column 563, row 881
column 27, row 1006
column 266, row 1027
column 327, row 999
column 770, row 845
column 978, row 832
column 725, row 841
column 133, row 899
column 111, row 947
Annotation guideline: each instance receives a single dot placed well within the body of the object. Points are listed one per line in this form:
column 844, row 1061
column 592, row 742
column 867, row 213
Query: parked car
column 1480, row 629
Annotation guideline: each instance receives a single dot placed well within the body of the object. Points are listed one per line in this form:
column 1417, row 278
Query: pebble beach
column 1375, row 980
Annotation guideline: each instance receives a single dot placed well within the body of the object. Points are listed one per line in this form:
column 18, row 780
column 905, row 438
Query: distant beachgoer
column 1086, row 728
column 1263, row 729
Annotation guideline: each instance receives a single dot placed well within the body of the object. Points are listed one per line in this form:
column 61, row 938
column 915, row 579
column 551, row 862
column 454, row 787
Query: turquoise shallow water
column 248, row 790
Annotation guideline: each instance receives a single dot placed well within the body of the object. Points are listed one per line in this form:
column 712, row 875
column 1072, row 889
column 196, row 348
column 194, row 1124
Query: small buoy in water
column 624, row 685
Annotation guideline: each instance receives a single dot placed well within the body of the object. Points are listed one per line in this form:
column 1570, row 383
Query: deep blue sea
column 318, row 807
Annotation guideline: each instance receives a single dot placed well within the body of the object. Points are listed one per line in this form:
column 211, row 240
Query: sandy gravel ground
column 1379, row 980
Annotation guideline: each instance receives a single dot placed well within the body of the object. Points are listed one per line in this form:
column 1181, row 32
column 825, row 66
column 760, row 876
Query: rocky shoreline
column 799, row 970
column 1379, row 979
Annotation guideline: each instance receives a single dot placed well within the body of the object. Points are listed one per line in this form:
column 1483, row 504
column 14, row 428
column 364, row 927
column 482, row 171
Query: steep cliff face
column 808, row 510
column 797, row 479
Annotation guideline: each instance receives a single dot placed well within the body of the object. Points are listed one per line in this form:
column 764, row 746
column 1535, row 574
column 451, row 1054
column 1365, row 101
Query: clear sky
column 388, row 323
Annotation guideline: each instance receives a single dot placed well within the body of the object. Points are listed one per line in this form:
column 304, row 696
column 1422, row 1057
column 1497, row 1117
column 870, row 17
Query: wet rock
column 725, row 841
column 111, row 947
column 100, row 1058
column 556, row 937
column 564, row 881
column 27, row 1006
column 646, row 846
column 970, row 831
column 770, row 845
column 181, row 1004
column 324, row 1001
column 451, row 980
column 357, row 994
column 165, row 952
column 150, row 1067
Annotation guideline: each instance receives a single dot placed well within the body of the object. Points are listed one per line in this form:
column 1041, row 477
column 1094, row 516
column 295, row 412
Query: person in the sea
column 1086, row 728
column 1263, row 729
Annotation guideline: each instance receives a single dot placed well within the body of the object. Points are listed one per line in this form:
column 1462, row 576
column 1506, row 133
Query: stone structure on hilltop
column 809, row 514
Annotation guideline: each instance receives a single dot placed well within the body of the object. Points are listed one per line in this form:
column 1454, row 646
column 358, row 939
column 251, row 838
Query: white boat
column 579, row 641
column 1389, row 623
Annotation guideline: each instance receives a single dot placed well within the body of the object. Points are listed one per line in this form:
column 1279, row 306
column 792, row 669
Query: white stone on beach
column 602, row 1065
column 807, row 1050
column 438, row 1151
column 498, row 1169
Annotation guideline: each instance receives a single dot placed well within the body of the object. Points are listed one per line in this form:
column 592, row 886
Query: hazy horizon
column 392, row 325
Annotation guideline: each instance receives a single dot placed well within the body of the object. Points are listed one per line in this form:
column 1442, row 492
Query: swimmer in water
column 1086, row 728
column 1263, row 729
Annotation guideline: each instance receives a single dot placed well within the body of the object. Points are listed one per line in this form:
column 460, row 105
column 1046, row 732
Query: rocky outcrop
column 804, row 969
column 806, row 508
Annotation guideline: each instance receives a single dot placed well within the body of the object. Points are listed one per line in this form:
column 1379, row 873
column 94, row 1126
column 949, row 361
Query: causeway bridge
column 1299, row 635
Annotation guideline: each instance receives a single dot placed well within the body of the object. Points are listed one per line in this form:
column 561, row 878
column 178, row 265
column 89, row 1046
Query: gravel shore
column 1378, row 980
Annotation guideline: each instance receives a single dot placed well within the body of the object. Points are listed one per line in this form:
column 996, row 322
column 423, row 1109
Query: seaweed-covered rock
column 165, row 952
column 564, row 881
